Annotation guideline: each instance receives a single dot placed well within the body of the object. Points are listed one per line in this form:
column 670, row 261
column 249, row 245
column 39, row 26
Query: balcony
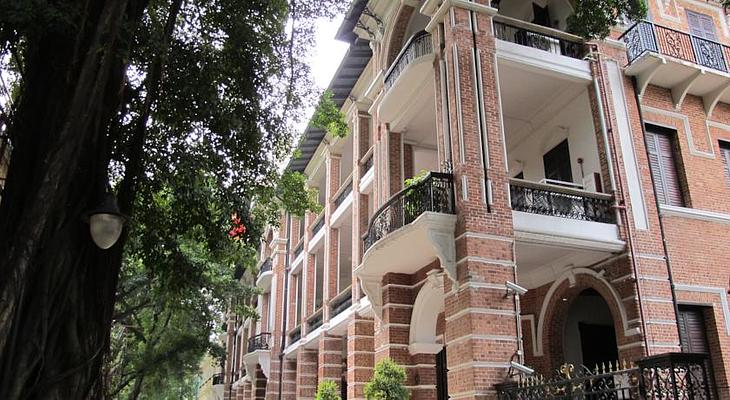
column 411, row 71
column 558, row 228
column 295, row 334
column 679, row 61
column 263, row 279
column 258, row 353
column 540, row 49
column 419, row 218
column 317, row 233
column 368, row 173
column 315, row 321
column 341, row 302
column 342, row 200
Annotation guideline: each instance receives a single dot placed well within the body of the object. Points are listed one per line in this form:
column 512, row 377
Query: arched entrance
column 589, row 334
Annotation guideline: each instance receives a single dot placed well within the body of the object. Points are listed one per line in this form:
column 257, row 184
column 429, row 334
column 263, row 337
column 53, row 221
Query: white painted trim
column 479, row 235
column 501, row 116
column 719, row 291
column 628, row 151
column 539, row 61
column 570, row 275
column 429, row 303
column 457, row 91
column 687, row 130
column 693, row 213
column 533, row 331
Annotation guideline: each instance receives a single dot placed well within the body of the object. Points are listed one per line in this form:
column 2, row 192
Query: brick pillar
column 480, row 321
column 425, row 376
column 306, row 373
column 395, row 162
column 330, row 358
column 393, row 329
column 258, row 390
column 289, row 391
column 332, row 163
column 309, row 269
column 361, row 145
column 245, row 390
column 360, row 356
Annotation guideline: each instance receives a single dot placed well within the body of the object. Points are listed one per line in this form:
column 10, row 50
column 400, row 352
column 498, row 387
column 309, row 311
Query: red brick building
column 593, row 174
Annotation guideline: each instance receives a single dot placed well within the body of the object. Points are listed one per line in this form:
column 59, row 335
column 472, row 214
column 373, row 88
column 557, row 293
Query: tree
column 327, row 390
column 594, row 18
column 147, row 98
column 388, row 382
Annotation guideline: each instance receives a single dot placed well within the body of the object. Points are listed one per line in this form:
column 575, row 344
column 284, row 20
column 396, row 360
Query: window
column 701, row 25
column 692, row 332
column 302, row 222
column 660, row 145
column 725, row 155
column 557, row 163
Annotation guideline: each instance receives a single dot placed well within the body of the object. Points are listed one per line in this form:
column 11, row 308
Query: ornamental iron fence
column 435, row 193
column 672, row 376
column 531, row 35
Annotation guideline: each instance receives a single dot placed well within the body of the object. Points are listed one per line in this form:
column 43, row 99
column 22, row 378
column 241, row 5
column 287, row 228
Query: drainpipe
column 619, row 205
column 665, row 246
column 286, row 304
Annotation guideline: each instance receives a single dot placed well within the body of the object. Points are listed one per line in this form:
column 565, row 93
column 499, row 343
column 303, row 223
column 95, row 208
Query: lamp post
column 105, row 222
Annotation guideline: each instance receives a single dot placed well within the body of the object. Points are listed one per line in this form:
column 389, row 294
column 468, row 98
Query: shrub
column 328, row 390
column 387, row 383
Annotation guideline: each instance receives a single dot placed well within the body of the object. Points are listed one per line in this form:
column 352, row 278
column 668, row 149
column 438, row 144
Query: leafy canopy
column 329, row 117
column 594, row 18
column 388, row 382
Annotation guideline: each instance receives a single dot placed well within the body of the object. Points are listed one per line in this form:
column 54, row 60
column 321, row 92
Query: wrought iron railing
column 367, row 162
column 262, row 341
column 417, row 46
column 538, row 37
column 667, row 376
column 434, row 193
column 558, row 201
column 677, row 376
column 298, row 249
column 295, row 334
column 646, row 37
column 341, row 302
column 315, row 321
column 265, row 266
column 343, row 192
column 318, row 224
column 609, row 382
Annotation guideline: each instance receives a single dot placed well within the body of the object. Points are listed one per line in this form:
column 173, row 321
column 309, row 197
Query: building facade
column 510, row 198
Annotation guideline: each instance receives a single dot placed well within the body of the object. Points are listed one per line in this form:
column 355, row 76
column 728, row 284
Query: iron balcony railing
column 435, row 193
column 538, row 37
column 645, row 37
column 367, row 160
column 343, row 192
column 262, row 341
column 265, row 266
column 298, row 249
column 668, row 376
column 295, row 334
column 315, row 321
column 558, row 201
column 341, row 302
column 418, row 45
column 318, row 224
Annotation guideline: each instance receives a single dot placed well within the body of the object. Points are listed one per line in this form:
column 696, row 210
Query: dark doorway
column 442, row 386
column 598, row 344
column 557, row 163
column 541, row 15
column 589, row 335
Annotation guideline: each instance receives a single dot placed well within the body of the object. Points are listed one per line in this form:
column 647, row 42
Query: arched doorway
column 589, row 334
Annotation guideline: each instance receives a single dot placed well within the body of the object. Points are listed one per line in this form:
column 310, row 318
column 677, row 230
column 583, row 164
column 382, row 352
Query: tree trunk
column 137, row 388
column 57, row 291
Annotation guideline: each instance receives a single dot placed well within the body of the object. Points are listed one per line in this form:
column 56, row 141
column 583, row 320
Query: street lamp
column 105, row 222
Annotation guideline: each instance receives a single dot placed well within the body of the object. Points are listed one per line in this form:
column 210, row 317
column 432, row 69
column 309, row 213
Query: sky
column 328, row 52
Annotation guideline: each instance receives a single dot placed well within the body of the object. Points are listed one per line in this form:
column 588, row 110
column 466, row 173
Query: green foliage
column 289, row 194
column 387, row 383
column 593, row 19
column 420, row 176
column 328, row 390
column 329, row 117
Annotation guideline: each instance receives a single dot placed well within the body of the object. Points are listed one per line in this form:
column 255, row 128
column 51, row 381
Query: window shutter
column 725, row 152
column 692, row 331
column 664, row 169
column 701, row 25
